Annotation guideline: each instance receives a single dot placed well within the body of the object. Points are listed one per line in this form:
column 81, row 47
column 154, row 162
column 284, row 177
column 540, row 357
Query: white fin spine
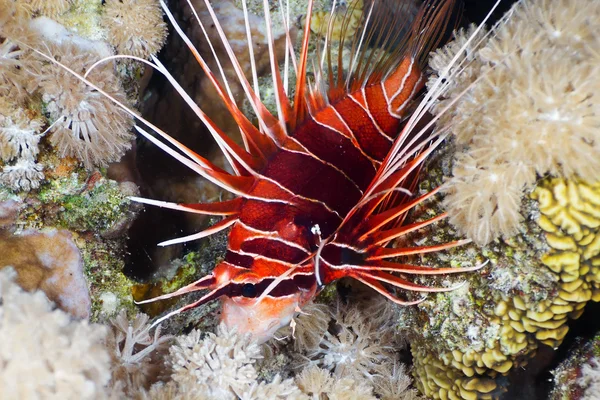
column 218, row 227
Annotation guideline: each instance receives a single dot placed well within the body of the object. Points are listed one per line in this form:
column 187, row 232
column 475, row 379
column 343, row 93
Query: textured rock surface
column 49, row 261
column 578, row 376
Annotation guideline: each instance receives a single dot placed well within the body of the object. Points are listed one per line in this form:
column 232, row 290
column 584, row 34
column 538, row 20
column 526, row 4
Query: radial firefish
column 324, row 185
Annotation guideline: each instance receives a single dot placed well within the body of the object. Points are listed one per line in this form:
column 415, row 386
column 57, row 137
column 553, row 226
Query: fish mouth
column 259, row 319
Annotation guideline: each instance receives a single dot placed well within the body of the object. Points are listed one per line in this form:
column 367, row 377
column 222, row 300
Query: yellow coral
column 570, row 215
column 569, row 246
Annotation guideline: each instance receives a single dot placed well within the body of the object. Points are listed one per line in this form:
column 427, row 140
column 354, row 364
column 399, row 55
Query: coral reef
column 343, row 351
column 44, row 353
column 92, row 214
column 134, row 27
column 48, row 121
column 220, row 366
column 37, row 93
column 86, row 124
column 525, row 112
column 462, row 340
column 535, row 111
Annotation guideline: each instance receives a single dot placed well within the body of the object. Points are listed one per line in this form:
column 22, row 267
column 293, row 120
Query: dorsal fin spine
column 299, row 99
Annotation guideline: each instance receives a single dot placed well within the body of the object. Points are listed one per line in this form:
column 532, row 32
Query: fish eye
column 249, row 290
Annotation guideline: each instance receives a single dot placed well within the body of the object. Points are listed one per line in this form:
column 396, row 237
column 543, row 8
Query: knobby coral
column 536, row 110
column 86, row 124
column 134, row 27
column 536, row 282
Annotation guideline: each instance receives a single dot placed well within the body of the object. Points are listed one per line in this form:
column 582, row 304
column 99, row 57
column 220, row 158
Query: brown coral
column 536, row 111
column 49, row 261
column 135, row 27
column 87, row 124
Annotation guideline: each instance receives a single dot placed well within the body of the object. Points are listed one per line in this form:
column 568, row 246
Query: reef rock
column 49, row 261
column 578, row 377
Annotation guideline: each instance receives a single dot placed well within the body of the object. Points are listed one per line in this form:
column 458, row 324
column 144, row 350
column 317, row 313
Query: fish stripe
column 360, row 99
column 337, row 150
column 374, row 144
column 273, row 249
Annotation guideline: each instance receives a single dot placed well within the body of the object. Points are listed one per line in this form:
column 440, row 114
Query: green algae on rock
column 97, row 212
column 84, row 18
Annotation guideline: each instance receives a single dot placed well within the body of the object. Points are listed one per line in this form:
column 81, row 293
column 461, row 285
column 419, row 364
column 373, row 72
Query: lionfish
column 324, row 185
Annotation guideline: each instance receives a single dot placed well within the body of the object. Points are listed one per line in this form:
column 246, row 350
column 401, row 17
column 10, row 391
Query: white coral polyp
column 87, row 125
column 19, row 136
column 357, row 349
column 43, row 353
column 220, row 364
column 536, row 110
column 134, row 27
column 25, row 175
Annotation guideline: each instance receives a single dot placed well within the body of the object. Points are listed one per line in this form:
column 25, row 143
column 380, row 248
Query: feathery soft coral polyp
column 134, row 27
column 536, row 111
column 88, row 125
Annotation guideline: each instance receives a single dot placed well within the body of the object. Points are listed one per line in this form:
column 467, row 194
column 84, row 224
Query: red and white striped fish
column 324, row 185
